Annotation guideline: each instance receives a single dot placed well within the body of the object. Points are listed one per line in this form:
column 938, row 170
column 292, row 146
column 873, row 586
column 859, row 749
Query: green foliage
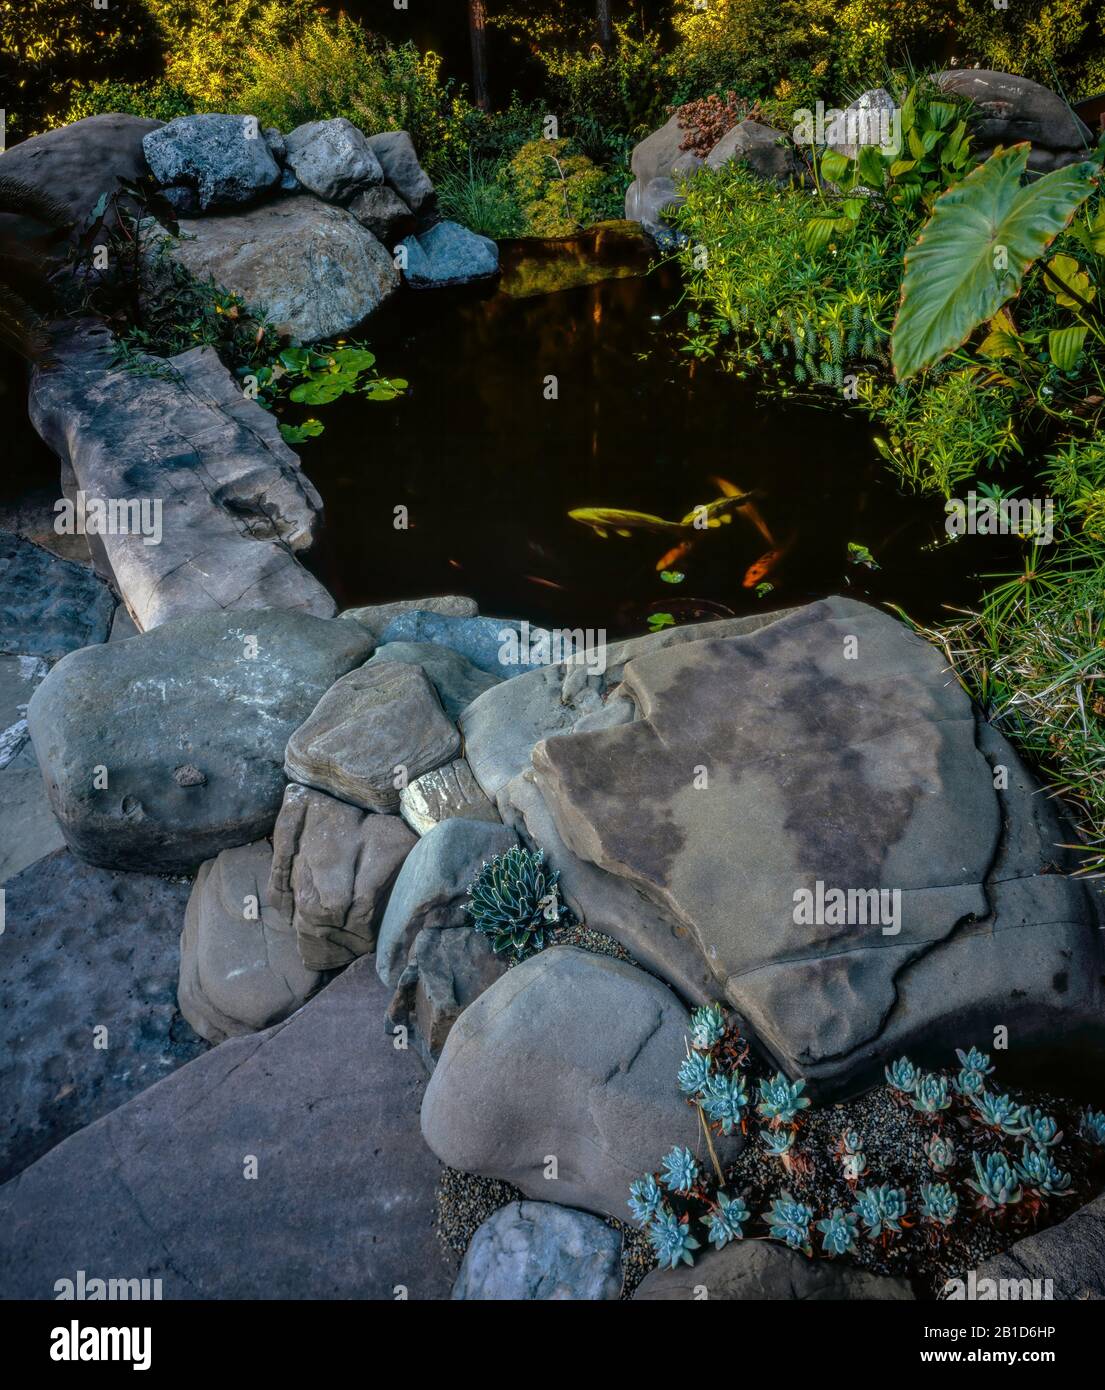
column 902, row 1076
column 789, row 1221
column 478, row 197
column 881, row 1209
column 930, row 1095
column 839, row 1232
column 1039, row 1172
column 514, row 900
column 995, row 1182
column 707, row 1027
column 972, row 255
column 781, row 1100
column 1000, row 1113
column 726, row 1222
column 672, row 1240
column 558, row 192
column 680, row 1171
column 939, row 1204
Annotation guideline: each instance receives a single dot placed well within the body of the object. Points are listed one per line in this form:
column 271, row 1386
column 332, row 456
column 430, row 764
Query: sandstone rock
column 239, row 961
column 766, row 151
column 570, row 1055
column 445, row 972
column 1015, row 108
column 431, row 890
column 332, row 159
column 343, row 1205
column 760, row 1271
column 28, row 828
column 48, row 606
column 77, row 163
column 311, row 265
column 224, row 158
column 208, row 466
column 496, row 645
column 865, row 121
column 189, row 692
column 383, row 212
column 658, row 155
column 395, row 151
column 453, row 676
column 446, row 792
column 380, row 718
column 333, row 867
column 538, row 1250
column 448, row 254
column 889, row 788
column 1071, row 1255
column 84, row 949
column 376, row 617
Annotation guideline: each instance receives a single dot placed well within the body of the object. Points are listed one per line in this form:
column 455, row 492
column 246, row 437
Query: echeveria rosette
column 939, row 1204
column 680, row 1171
column 694, row 1074
column 940, row 1152
column 974, row 1060
column 838, row 1232
column 707, row 1027
column 672, row 1240
column 1038, row 1170
column 781, row 1100
column 970, row 1083
column 724, row 1101
column 999, row 1112
column 514, row 900
column 777, row 1142
column 902, row 1076
column 726, row 1221
column 1092, row 1127
column 930, row 1094
column 1040, row 1130
column 789, row 1221
column 645, row 1199
column 881, row 1209
column 995, row 1182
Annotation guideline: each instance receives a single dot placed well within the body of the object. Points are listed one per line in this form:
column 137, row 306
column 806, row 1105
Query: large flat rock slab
column 160, row 751
column 341, row 1205
column 48, row 606
column 234, row 504
column 831, row 751
column 84, row 949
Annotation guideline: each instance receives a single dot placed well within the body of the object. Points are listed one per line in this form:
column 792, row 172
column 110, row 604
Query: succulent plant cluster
column 515, row 899
column 685, row 1204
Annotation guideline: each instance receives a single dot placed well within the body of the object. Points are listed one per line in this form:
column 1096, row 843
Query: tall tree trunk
column 605, row 25
column 477, row 31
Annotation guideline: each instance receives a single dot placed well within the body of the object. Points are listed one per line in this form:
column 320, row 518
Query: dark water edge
column 487, row 468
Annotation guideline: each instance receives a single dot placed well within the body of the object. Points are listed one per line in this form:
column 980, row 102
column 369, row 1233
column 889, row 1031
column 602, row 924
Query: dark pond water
column 488, row 468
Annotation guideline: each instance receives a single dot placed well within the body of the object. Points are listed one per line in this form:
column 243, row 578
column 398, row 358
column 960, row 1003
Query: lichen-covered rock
column 396, row 153
column 312, row 266
column 446, row 971
column 448, row 254
column 332, row 159
column 446, row 792
column 333, row 867
column 221, row 692
column 377, row 616
column 240, row 968
column 224, row 158
column 503, row 647
column 567, row 1064
column 759, row 1271
column 375, row 728
column 538, row 1250
column 432, row 887
column 457, row 681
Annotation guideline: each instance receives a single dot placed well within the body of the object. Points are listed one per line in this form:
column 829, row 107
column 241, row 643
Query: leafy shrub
column 559, row 192
column 158, row 101
column 479, row 197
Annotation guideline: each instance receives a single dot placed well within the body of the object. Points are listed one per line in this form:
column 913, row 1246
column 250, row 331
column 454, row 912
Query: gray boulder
column 224, row 158
column 865, row 121
column 211, row 503
column 431, row 890
column 1064, row 1262
column 284, row 1165
column 750, row 826
column 48, row 606
column 446, row 792
column 502, row 647
column 240, row 968
column 763, row 149
column 378, row 723
column 333, row 867
column 383, row 212
column 538, row 1250
column 659, row 155
column 396, row 153
column 457, row 681
column 310, row 265
column 216, row 695
column 332, row 159
column 446, row 971
column 758, row 1271
column 448, row 254
column 376, row 617
column 1016, row 108
column 89, row 975
column 569, row 1057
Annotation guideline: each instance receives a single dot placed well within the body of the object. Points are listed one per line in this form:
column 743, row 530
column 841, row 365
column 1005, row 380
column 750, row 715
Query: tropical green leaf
column 1064, row 345
column 972, row 254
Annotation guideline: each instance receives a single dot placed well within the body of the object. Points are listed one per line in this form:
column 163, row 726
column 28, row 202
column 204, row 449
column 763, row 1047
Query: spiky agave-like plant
column 515, row 899
column 24, row 269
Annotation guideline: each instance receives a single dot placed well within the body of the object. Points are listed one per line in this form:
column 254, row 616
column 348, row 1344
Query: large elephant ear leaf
column 972, row 254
